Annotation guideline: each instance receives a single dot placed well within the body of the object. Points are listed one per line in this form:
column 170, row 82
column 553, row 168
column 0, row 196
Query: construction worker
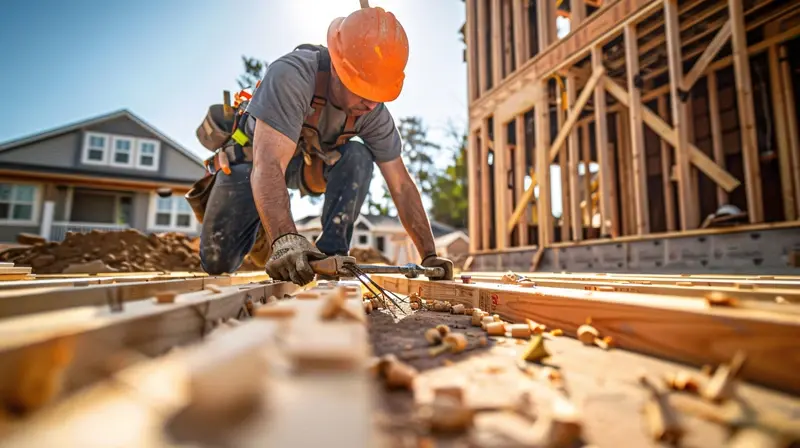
column 304, row 113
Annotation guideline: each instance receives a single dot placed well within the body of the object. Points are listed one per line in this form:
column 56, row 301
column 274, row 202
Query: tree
column 254, row 70
column 450, row 190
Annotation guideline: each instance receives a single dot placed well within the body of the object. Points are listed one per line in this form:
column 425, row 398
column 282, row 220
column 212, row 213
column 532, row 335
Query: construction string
column 382, row 294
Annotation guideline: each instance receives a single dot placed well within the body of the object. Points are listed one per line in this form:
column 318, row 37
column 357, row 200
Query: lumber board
column 609, row 224
column 716, row 130
column 151, row 398
column 684, row 330
column 782, row 135
column 90, row 338
column 14, row 270
column 791, row 117
column 638, row 156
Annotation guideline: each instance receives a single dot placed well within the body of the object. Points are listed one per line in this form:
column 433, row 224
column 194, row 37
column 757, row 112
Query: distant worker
column 301, row 119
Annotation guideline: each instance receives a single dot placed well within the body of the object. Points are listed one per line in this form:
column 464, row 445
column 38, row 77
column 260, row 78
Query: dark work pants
column 231, row 220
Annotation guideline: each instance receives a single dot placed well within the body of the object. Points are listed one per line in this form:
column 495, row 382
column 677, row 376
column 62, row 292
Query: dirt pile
column 368, row 255
column 122, row 251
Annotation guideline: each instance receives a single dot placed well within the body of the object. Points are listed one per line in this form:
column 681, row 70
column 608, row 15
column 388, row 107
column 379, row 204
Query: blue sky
column 168, row 60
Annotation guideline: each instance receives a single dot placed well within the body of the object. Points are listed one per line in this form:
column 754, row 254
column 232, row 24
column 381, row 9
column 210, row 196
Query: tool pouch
column 198, row 196
column 215, row 130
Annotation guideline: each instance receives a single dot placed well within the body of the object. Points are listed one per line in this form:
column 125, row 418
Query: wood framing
column 608, row 220
column 636, row 133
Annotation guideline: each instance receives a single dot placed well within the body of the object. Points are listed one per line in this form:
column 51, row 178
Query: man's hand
column 290, row 258
column 432, row 261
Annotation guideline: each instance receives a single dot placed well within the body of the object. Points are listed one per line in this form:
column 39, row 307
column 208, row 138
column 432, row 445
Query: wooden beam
column 475, row 186
column 577, row 13
column 638, row 153
column 747, row 120
column 575, row 112
column 473, row 62
column 543, row 25
column 501, row 190
column 587, row 177
column 688, row 206
column 608, row 218
column 782, row 136
column 520, row 170
column 791, row 119
column 626, row 195
column 522, row 205
column 708, row 55
column 542, row 111
column 497, row 43
column 666, row 168
column 508, row 39
column 564, row 173
column 486, row 191
column 520, row 32
column 574, row 156
column 659, row 325
column 483, row 52
column 668, row 133
column 716, row 131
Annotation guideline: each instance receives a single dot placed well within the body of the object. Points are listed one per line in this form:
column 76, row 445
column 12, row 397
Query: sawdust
column 122, row 251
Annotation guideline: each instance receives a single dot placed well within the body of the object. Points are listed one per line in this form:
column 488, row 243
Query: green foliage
column 450, row 191
column 254, row 70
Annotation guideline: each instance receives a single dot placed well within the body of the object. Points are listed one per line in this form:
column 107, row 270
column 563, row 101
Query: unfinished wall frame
column 594, row 85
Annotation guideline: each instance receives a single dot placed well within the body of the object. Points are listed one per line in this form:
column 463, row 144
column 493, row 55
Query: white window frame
column 37, row 205
column 156, row 154
column 113, row 151
column 172, row 227
column 85, row 156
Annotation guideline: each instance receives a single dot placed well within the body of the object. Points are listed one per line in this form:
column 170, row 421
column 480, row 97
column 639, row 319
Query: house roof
column 446, row 240
column 33, row 138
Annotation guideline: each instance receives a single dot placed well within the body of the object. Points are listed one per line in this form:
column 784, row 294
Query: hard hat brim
column 383, row 93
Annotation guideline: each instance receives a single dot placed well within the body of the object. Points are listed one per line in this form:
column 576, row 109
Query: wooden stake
column 688, row 206
column 782, row 135
column 716, row 131
column 747, row 120
column 637, row 134
column 791, row 119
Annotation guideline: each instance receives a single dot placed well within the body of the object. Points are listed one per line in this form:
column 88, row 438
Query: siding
column 59, row 152
column 8, row 234
column 141, row 202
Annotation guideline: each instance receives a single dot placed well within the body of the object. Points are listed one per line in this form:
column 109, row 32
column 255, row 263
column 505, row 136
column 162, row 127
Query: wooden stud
column 747, row 120
column 688, row 206
column 473, row 63
column 626, row 194
column 575, row 111
column 574, row 144
column 483, row 53
column 791, row 119
column 501, row 190
column 577, row 13
column 716, row 131
column 520, row 33
column 608, row 218
column 666, row 168
column 637, row 134
column 588, row 211
column 782, row 135
column 542, row 111
column 497, row 44
column 708, row 55
column 486, row 198
column 562, row 163
column 473, row 172
column 542, row 25
column 508, row 39
column 519, row 178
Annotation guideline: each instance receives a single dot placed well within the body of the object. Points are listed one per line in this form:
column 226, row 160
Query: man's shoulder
column 303, row 62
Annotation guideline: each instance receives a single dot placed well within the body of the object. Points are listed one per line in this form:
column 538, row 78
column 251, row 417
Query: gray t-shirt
column 283, row 100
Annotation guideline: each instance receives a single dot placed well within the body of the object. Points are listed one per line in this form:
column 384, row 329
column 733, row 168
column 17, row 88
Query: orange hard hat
column 369, row 50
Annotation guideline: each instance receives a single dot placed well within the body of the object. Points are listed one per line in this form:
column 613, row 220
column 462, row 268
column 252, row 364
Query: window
column 147, row 155
column 362, row 239
column 18, row 203
column 380, row 243
column 122, row 152
column 96, row 148
column 172, row 213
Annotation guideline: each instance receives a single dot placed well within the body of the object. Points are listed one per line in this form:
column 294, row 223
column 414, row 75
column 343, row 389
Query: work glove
column 291, row 254
column 432, row 261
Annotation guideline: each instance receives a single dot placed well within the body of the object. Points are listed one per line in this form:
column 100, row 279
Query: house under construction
column 634, row 135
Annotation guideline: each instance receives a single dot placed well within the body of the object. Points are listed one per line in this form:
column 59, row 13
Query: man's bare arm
column 409, row 205
column 272, row 152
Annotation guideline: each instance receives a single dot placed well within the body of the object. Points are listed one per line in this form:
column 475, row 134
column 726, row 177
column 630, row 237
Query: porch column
column 47, row 219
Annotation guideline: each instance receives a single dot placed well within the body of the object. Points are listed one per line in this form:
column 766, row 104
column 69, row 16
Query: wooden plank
column 501, row 190
column 699, row 67
column 519, row 180
column 608, row 218
column 543, row 25
column 497, row 42
column 791, row 117
column 486, row 197
column 473, row 62
column 626, row 194
column 656, row 325
column 88, row 338
column 688, row 206
column 747, row 120
column 196, row 389
column 577, row 13
column 575, row 112
column 638, row 153
column 564, row 173
column 543, row 205
column 483, row 52
column 574, row 156
column 716, row 131
column 588, row 211
column 520, row 32
column 17, row 270
column 666, row 167
column 522, row 204
column 668, row 133
column 508, row 39
column 782, row 136
column 475, row 190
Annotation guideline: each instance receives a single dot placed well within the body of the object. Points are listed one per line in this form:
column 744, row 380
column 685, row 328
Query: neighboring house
column 101, row 173
column 387, row 235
